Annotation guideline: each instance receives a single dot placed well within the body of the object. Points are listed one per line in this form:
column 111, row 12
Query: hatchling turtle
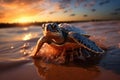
column 74, row 42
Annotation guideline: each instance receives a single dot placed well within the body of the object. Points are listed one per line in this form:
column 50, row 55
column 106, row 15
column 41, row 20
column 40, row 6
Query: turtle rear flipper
column 86, row 43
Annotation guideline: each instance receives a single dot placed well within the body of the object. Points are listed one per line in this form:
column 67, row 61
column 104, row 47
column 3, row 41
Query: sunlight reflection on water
column 27, row 36
column 19, row 34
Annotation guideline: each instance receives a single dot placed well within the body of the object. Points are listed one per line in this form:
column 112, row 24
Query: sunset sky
column 57, row 10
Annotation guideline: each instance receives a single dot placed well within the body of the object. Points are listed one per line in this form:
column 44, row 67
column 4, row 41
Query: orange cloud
column 13, row 9
column 45, row 10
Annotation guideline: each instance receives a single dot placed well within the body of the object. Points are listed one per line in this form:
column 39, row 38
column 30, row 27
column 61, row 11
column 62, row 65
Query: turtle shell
column 69, row 28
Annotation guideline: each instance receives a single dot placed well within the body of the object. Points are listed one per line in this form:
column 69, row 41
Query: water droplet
column 12, row 47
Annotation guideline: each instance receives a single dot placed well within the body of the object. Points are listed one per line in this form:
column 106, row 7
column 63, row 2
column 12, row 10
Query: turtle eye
column 54, row 26
column 48, row 27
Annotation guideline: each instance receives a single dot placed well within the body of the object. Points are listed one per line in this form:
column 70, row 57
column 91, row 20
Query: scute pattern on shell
column 70, row 28
column 87, row 43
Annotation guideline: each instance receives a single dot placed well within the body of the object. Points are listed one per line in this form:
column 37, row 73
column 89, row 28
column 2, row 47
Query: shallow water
column 16, row 44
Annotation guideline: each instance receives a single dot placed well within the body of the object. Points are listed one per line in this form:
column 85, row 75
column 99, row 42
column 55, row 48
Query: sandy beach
column 16, row 44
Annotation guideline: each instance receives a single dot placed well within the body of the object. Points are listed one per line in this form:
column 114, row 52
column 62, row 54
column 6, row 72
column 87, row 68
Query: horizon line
column 58, row 21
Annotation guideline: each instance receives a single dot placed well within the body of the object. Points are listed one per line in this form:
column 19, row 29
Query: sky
column 12, row 11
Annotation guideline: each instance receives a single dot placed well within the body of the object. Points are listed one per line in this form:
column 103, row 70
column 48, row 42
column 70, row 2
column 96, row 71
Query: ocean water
column 17, row 43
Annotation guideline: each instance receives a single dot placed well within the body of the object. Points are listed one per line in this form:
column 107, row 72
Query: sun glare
column 24, row 20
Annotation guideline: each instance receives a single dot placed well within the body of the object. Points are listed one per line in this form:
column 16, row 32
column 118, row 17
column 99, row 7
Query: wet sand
column 21, row 72
column 15, row 65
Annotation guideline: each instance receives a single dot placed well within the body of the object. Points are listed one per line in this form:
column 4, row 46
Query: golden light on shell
column 48, row 50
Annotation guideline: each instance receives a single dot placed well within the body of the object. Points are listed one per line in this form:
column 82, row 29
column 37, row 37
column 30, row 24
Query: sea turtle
column 73, row 41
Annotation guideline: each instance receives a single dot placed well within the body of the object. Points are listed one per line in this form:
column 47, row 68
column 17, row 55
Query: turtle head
column 51, row 30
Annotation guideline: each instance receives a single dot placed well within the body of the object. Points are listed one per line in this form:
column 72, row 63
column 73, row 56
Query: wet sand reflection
column 82, row 71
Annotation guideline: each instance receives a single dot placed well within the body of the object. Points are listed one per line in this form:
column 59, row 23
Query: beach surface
column 17, row 43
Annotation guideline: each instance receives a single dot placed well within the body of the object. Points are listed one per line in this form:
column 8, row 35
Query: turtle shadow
column 89, row 62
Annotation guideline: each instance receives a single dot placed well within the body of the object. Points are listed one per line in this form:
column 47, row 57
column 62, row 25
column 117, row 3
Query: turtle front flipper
column 85, row 42
column 39, row 44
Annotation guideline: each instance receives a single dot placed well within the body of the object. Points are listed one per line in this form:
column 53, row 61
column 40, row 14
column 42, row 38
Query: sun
column 24, row 20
